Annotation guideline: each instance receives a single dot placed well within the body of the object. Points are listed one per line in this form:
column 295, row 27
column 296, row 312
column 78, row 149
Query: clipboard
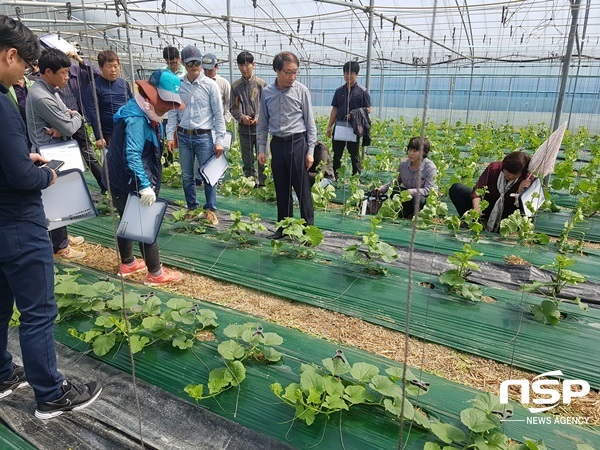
column 213, row 169
column 58, row 42
column 68, row 200
column 141, row 223
column 344, row 132
column 227, row 141
column 528, row 198
column 67, row 151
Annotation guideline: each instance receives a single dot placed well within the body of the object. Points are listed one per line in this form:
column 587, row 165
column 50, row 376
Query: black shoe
column 76, row 397
column 277, row 235
column 16, row 381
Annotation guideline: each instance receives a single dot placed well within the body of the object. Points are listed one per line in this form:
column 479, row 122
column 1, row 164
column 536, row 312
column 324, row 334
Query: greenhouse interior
column 376, row 326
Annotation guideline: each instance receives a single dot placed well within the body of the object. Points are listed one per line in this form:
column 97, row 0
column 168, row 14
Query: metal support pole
column 131, row 67
column 369, row 52
column 567, row 62
column 230, row 44
column 381, row 89
column 470, row 91
column 369, row 44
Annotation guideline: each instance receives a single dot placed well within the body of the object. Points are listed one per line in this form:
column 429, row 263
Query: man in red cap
column 134, row 164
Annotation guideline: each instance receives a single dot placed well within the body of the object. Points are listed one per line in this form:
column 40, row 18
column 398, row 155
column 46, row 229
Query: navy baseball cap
column 190, row 53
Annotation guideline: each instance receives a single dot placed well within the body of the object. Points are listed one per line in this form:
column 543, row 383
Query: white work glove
column 147, row 196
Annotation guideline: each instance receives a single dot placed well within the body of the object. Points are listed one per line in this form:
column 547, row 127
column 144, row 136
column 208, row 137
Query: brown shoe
column 76, row 240
column 209, row 216
column 69, row 253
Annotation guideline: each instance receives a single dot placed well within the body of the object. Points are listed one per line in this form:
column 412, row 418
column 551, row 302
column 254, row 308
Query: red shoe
column 166, row 276
column 136, row 266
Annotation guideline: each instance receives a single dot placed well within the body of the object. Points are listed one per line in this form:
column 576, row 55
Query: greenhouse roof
column 325, row 32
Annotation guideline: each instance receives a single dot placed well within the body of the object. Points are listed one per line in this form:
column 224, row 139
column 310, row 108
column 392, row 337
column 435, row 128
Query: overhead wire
column 116, row 247
column 411, row 249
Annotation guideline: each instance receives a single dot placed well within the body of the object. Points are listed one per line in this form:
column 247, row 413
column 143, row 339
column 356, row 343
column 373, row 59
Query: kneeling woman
column 502, row 178
column 408, row 176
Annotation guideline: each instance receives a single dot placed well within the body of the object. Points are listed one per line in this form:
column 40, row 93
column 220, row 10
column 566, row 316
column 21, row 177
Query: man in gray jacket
column 245, row 107
column 50, row 121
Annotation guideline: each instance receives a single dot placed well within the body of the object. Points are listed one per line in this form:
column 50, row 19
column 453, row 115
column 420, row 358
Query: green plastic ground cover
column 546, row 222
column 172, row 369
column 549, row 223
column 565, row 199
column 503, row 331
column 9, row 440
column 438, row 239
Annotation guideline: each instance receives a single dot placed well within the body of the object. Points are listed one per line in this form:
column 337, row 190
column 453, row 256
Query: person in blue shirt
column 26, row 261
column 194, row 126
column 134, row 165
column 112, row 93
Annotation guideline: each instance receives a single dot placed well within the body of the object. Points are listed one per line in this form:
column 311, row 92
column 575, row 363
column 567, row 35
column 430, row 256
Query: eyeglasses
column 289, row 73
column 29, row 68
column 193, row 63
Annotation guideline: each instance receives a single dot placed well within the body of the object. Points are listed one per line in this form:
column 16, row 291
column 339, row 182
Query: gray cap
column 209, row 61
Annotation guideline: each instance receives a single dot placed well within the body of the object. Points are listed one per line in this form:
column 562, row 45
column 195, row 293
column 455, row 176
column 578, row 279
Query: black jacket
column 361, row 124
column 21, row 181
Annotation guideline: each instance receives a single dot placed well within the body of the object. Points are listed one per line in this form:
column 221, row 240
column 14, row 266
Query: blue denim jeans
column 27, row 280
column 201, row 148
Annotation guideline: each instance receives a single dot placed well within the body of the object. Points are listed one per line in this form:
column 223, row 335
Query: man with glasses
column 26, row 263
column 171, row 57
column 194, row 125
column 286, row 112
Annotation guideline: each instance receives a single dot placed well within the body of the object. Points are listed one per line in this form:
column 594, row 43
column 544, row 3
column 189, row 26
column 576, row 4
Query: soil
column 473, row 371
